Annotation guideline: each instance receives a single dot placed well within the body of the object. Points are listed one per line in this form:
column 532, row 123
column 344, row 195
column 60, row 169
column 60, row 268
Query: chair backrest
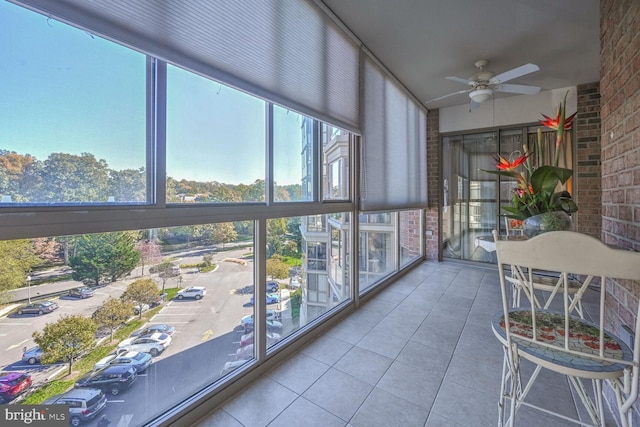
column 568, row 255
column 513, row 227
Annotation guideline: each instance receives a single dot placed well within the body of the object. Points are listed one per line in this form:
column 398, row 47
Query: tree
column 128, row 185
column 276, row 268
column 166, row 271
column 104, row 257
column 67, row 339
column 140, row 292
column 72, row 178
column 48, row 249
column 224, row 232
column 149, row 252
column 18, row 259
column 276, row 231
column 113, row 313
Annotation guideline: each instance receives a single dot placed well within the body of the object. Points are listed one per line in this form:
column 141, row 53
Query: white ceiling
column 423, row 41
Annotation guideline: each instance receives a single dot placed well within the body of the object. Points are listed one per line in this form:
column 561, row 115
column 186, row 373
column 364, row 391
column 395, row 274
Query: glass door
column 469, row 209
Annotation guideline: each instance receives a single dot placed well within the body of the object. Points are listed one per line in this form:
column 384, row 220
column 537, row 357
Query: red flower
column 555, row 123
column 505, row 165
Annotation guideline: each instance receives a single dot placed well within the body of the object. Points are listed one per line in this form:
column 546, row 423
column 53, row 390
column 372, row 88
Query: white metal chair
column 513, row 227
column 559, row 341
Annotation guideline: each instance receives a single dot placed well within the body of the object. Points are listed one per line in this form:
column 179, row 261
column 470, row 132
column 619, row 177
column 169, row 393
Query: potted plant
column 540, row 200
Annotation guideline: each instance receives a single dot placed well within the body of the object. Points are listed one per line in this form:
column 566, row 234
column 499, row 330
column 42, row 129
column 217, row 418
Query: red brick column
column 588, row 176
column 620, row 114
column 433, row 185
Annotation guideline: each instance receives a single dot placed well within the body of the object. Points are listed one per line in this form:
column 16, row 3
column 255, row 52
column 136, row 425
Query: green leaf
column 546, row 178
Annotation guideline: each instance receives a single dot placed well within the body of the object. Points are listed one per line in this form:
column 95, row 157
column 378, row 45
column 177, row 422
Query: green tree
column 104, row 257
column 67, row 339
column 140, row 292
column 276, row 231
column 18, row 258
column 166, row 271
column 224, row 232
column 277, row 268
column 71, row 178
column 113, row 313
column 128, row 185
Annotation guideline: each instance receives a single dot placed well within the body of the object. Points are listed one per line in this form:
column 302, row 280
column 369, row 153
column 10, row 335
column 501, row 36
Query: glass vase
column 548, row 221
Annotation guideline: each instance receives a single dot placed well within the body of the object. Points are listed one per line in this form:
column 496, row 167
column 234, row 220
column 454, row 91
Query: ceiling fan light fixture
column 480, row 95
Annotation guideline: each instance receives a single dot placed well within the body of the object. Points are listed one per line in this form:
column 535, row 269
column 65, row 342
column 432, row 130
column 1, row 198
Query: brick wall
column 433, row 184
column 587, row 176
column 620, row 154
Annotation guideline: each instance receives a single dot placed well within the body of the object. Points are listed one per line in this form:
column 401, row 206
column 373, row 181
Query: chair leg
column 510, row 389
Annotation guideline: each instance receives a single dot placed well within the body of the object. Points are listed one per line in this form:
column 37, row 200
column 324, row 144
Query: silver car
column 84, row 403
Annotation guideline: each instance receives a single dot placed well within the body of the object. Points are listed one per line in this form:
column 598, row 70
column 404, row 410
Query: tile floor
column 421, row 353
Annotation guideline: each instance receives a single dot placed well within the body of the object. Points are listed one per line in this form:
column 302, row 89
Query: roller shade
column 394, row 145
column 287, row 51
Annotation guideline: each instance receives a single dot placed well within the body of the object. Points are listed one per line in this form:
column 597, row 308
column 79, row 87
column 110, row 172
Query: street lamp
column 29, row 288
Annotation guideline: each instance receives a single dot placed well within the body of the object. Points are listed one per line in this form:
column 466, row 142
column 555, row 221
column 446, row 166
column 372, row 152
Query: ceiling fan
column 485, row 82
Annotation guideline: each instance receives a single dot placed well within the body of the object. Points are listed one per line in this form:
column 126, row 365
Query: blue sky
column 65, row 90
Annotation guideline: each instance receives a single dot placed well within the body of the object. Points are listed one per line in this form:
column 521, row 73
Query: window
column 335, row 146
column 209, row 127
column 74, row 110
column 294, row 139
column 410, row 232
column 108, row 127
column 377, row 250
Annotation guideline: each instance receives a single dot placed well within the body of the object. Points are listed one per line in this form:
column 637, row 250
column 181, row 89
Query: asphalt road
column 209, row 329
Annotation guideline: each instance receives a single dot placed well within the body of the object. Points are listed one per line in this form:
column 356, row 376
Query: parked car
column 13, row 384
column 84, row 403
column 244, row 353
column 122, row 357
column 160, row 327
column 271, row 299
column 294, row 283
column 38, row 308
column 273, row 286
column 110, row 379
column 153, row 344
column 136, row 308
column 32, row 355
column 81, row 292
column 231, row 366
column 196, row 292
column 247, row 339
column 272, row 324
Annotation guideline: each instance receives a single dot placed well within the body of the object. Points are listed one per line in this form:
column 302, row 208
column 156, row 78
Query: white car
column 154, row 344
column 138, row 360
column 196, row 292
column 272, row 324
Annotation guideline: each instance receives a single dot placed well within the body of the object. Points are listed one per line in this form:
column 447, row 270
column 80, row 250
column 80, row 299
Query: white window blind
column 286, row 51
column 394, row 147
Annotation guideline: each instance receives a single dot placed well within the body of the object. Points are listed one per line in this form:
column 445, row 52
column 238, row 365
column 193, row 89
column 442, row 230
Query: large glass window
column 410, row 232
column 335, row 147
column 72, row 114
column 294, row 139
column 83, row 122
column 216, row 142
column 377, row 251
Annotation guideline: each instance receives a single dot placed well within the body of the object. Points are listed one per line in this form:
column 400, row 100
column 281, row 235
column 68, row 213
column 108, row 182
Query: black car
column 111, row 379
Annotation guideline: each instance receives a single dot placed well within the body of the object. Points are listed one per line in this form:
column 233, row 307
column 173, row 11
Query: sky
column 65, row 90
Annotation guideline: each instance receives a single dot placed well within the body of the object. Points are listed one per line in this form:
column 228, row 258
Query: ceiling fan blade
column 514, row 73
column 460, row 80
column 522, row 89
column 448, row 95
